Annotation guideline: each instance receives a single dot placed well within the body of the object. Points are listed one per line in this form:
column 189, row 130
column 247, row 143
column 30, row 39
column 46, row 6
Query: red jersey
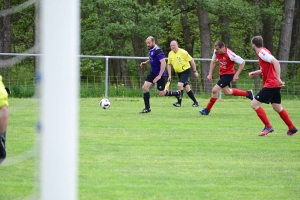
column 268, row 71
column 227, row 61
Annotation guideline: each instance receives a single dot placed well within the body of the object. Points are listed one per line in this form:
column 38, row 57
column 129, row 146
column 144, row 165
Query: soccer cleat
column 266, row 130
column 250, row 95
column 146, row 110
column 205, row 111
column 195, row 104
column 292, row 132
column 176, row 104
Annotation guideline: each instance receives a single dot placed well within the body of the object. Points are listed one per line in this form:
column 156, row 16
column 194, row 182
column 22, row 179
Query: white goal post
column 60, row 44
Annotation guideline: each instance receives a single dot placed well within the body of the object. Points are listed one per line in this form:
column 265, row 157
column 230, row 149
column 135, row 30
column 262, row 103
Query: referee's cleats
column 176, row 104
column 250, row 95
column 205, row 111
column 292, row 132
column 195, row 104
column 146, row 110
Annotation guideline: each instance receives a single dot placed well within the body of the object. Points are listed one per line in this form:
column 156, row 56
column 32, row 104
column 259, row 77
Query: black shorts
column 225, row 80
column 160, row 84
column 184, row 76
column 269, row 95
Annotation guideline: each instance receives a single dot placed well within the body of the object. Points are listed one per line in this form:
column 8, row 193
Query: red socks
column 236, row 92
column 211, row 102
column 285, row 117
column 263, row 116
column 283, row 114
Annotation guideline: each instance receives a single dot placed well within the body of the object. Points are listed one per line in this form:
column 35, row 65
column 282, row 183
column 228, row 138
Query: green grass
column 170, row 153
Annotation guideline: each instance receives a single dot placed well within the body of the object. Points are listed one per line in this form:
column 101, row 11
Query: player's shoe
column 250, row 95
column 176, row 104
column 146, row 110
column 292, row 132
column 266, row 130
column 205, row 111
column 195, row 104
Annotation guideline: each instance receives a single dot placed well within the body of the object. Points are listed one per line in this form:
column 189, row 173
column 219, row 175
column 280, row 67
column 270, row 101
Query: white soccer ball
column 104, row 103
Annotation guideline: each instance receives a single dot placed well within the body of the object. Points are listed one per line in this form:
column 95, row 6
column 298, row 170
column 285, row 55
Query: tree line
column 119, row 28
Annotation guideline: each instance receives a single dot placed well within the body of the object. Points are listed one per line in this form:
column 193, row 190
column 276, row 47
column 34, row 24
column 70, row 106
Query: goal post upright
column 60, row 47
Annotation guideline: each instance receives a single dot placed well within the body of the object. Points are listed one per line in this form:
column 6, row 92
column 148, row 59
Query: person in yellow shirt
column 3, row 119
column 182, row 63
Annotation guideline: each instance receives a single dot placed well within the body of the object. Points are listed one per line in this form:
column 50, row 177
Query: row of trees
column 119, row 28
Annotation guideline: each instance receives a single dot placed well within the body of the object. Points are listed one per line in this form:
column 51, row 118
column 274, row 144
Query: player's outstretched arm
column 144, row 63
column 254, row 73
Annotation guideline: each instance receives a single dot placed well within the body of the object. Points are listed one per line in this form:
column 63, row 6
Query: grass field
column 170, row 153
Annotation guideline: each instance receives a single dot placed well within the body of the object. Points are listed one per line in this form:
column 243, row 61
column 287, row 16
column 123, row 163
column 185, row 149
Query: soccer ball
column 104, row 103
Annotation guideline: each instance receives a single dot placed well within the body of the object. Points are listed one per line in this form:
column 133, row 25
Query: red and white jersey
column 268, row 71
column 227, row 61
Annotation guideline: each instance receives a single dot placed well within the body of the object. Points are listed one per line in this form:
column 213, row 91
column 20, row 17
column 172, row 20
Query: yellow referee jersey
column 179, row 60
column 3, row 94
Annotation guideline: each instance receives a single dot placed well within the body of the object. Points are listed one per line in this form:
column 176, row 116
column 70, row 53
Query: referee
column 181, row 61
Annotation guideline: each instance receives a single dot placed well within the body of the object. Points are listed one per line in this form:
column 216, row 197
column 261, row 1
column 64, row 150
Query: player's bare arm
column 276, row 65
column 169, row 72
column 192, row 62
column 238, row 72
column 211, row 69
column 144, row 63
column 254, row 73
